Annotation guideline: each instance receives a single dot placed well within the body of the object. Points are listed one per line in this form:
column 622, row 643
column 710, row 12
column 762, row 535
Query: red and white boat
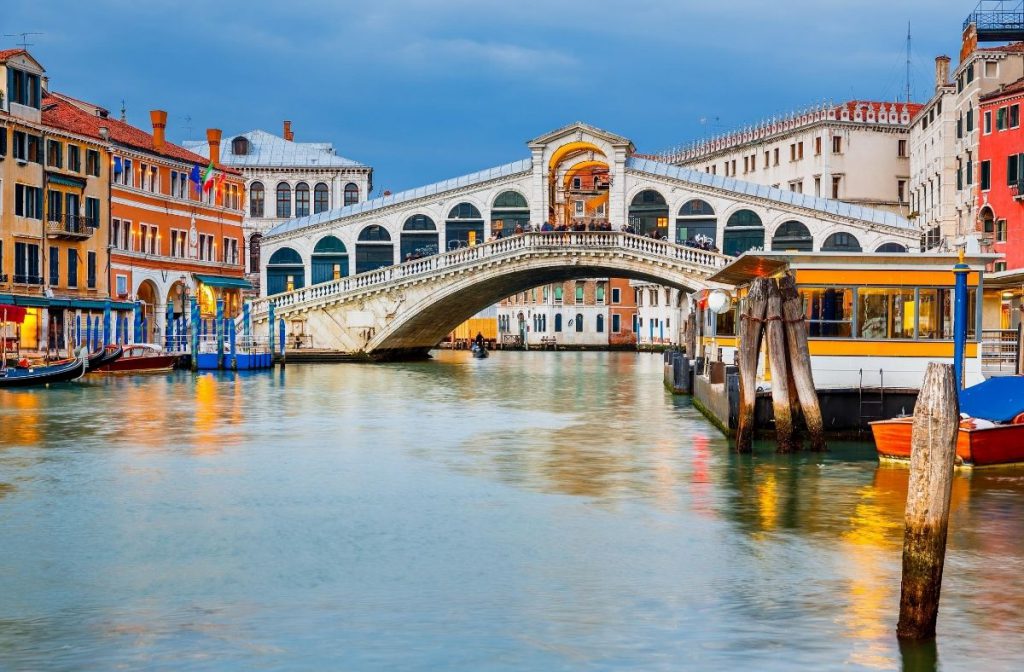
column 992, row 434
column 141, row 358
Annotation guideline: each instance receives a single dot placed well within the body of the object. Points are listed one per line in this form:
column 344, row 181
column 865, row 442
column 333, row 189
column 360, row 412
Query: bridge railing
column 553, row 240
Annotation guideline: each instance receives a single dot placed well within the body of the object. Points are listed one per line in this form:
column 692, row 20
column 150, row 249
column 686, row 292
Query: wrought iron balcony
column 998, row 20
column 74, row 227
column 1017, row 189
column 28, row 279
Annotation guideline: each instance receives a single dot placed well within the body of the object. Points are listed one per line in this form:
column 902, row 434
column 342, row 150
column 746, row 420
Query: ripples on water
column 537, row 511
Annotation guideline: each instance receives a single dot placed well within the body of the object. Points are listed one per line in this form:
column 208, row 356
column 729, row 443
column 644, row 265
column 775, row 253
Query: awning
column 64, row 180
column 31, row 301
column 9, row 313
column 91, row 304
column 223, row 281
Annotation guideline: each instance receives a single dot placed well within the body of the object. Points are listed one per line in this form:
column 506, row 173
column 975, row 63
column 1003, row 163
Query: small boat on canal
column 991, row 429
column 29, row 376
column 140, row 358
column 104, row 356
column 479, row 351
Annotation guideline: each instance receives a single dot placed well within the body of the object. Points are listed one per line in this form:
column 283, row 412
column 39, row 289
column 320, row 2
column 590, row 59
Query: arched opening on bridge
column 696, row 225
column 464, row 226
column 792, row 236
column 419, row 238
column 578, row 186
column 744, row 231
column 330, row 260
column 374, row 249
column 891, row 248
column 648, row 214
column 509, row 213
column 285, row 271
column 147, row 297
column 841, row 241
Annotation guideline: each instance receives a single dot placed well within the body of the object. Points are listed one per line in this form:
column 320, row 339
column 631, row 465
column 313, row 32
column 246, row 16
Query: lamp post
column 183, row 331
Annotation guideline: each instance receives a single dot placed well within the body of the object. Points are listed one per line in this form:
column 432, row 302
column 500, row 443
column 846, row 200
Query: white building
column 933, row 162
column 287, row 179
column 572, row 314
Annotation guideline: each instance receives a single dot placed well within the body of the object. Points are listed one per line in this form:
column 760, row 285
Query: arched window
column 374, row 249
column 330, row 260
column 321, row 198
column 600, row 324
column 509, row 212
column 558, row 322
column 792, row 236
column 841, row 242
column 419, row 238
column 284, row 200
column 697, row 225
column 464, row 219
column 648, row 214
column 285, row 271
column 301, row 199
column 891, row 248
column 744, row 231
column 351, row 193
column 240, row 146
column 256, row 199
column 255, row 241
column 579, row 323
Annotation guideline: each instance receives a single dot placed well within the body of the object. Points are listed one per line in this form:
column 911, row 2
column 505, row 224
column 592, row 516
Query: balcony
column 28, row 279
column 70, row 227
column 1017, row 189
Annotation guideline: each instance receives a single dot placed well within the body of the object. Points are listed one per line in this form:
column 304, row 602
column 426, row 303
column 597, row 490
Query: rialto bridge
column 397, row 273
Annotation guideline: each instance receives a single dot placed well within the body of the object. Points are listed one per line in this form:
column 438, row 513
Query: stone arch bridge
column 404, row 310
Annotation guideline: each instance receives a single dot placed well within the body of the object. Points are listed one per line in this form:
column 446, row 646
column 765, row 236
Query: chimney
column 213, row 138
column 941, row 71
column 288, row 135
column 159, row 119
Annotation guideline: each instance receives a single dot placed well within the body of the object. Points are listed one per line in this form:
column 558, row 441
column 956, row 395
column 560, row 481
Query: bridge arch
column 285, row 271
column 509, row 209
column 696, row 217
column 329, row 260
column 648, row 212
column 744, row 230
column 891, row 247
column 792, row 235
column 419, row 237
column 374, row 249
column 463, row 217
column 841, row 241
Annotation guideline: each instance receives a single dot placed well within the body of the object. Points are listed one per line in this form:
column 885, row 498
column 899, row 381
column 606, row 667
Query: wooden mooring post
column 932, row 457
column 775, row 334
column 800, row 361
column 751, row 329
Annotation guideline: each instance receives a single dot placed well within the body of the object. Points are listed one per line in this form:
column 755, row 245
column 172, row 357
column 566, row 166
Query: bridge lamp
column 719, row 301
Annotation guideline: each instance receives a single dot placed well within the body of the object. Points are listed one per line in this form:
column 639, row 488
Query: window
column 3, row 141
column 767, row 159
column 579, row 323
column 121, row 283
column 600, row 324
column 302, row 200
column 74, row 159
column 256, row 199
column 1013, row 169
column 986, row 175
column 797, row 186
column 351, row 193
column 970, row 119
column 284, row 200
column 775, row 162
column 26, row 264
column 24, row 88
column 231, row 251
column 901, row 191
column 54, row 266
column 884, row 313
column 599, row 293
column 970, row 171
column 837, row 144
column 558, row 295
column 828, row 310
column 91, row 270
column 901, row 149
column 154, row 179
column 1001, row 231
column 991, row 70
column 970, row 73
column 72, row 268
column 26, row 147
column 1014, row 116
column 817, row 146
column 1001, row 119
column 616, row 323
column 960, row 126
column 28, row 201
column 177, row 243
column 240, row 146
column 987, row 121
column 616, row 295
column 836, row 184
column 817, row 186
column 321, row 198
column 92, row 162
column 799, row 150
column 579, row 293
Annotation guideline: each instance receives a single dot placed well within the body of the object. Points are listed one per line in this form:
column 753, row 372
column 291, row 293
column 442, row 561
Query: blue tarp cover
column 997, row 399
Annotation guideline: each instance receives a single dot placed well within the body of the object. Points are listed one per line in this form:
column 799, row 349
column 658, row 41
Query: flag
column 196, row 178
column 208, row 177
column 117, row 165
column 220, row 182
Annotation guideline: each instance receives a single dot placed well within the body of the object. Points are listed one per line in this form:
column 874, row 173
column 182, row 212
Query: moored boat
column 43, row 375
column 141, row 358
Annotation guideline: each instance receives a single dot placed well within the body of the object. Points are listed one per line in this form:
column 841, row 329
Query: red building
column 1001, row 174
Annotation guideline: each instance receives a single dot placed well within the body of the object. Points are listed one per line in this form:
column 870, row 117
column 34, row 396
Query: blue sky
column 428, row 90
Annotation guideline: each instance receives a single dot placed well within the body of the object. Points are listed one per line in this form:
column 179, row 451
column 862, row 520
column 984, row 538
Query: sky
column 427, row 90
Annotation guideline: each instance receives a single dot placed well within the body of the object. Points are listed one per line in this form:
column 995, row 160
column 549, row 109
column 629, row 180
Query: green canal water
column 531, row 511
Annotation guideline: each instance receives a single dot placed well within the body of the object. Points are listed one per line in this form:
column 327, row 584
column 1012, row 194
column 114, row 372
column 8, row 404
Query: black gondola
column 94, row 359
column 479, row 352
column 111, row 354
column 43, row 375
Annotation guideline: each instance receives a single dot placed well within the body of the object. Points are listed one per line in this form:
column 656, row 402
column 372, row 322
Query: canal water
column 530, row 511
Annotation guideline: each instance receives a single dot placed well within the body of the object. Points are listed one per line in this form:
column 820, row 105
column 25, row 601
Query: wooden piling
column 751, row 331
column 800, row 361
column 775, row 335
column 932, row 456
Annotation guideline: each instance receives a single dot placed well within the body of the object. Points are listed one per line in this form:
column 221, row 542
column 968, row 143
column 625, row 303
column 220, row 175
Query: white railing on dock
column 505, row 247
column 999, row 352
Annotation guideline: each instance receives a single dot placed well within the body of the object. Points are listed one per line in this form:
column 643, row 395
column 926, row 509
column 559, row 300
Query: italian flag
column 208, row 177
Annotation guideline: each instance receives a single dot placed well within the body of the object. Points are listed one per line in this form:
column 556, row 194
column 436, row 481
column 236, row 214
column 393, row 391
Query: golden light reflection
column 768, row 501
column 207, row 416
column 20, row 427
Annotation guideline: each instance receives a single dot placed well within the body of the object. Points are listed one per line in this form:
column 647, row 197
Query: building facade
column 1001, row 174
column 54, row 200
column 285, row 179
column 171, row 242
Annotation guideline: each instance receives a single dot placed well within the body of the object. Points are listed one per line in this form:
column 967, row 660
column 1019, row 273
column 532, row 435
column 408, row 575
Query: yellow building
column 55, row 191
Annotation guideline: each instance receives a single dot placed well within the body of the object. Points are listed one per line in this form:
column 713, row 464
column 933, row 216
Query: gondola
column 95, row 359
column 111, row 354
column 43, row 375
column 479, row 352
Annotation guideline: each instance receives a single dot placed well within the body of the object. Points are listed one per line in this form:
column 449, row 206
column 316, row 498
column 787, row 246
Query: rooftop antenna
column 25, row 44
column 188, row 125
column 124, row 111
column 908, row 62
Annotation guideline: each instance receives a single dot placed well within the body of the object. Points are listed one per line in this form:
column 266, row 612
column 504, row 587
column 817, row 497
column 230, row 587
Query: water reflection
column 548, row 510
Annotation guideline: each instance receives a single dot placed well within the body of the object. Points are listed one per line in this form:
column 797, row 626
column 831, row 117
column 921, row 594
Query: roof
column 825, row 205
column 66, row 113
column 516, row 167
column 7, row 53
column 267, row 149
column 1005, row 90
column 581, row 126
column 1012, row 48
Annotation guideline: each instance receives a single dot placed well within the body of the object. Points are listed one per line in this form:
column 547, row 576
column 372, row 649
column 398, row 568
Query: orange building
column 170, row 242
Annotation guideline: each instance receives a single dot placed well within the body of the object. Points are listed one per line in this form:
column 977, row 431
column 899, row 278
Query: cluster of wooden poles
column 774, row 313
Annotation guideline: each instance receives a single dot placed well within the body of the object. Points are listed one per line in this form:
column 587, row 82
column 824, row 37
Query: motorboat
column 140, row 358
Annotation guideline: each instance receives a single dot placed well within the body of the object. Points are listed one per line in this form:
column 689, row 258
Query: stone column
column 538, row 188
column 617, row 194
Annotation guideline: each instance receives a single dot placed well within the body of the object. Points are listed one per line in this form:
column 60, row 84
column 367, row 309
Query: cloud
column 466, row 53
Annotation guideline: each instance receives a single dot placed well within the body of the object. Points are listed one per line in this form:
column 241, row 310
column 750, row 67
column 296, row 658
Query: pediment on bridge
column 580, row 132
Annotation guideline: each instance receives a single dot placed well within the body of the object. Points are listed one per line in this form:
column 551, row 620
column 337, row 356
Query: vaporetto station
column 393, row 275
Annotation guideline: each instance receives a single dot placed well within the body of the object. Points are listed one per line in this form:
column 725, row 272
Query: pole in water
column 751, row 333
column 775, row 335
column 281, row 333
column 960, row 318
column 932, row 456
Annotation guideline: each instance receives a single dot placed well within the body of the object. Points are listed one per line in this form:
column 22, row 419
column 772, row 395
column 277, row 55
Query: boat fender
column 1018, row 419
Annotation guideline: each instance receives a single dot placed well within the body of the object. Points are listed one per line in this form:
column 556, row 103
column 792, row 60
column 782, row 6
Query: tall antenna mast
column 25, row 44
column 908, row 62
